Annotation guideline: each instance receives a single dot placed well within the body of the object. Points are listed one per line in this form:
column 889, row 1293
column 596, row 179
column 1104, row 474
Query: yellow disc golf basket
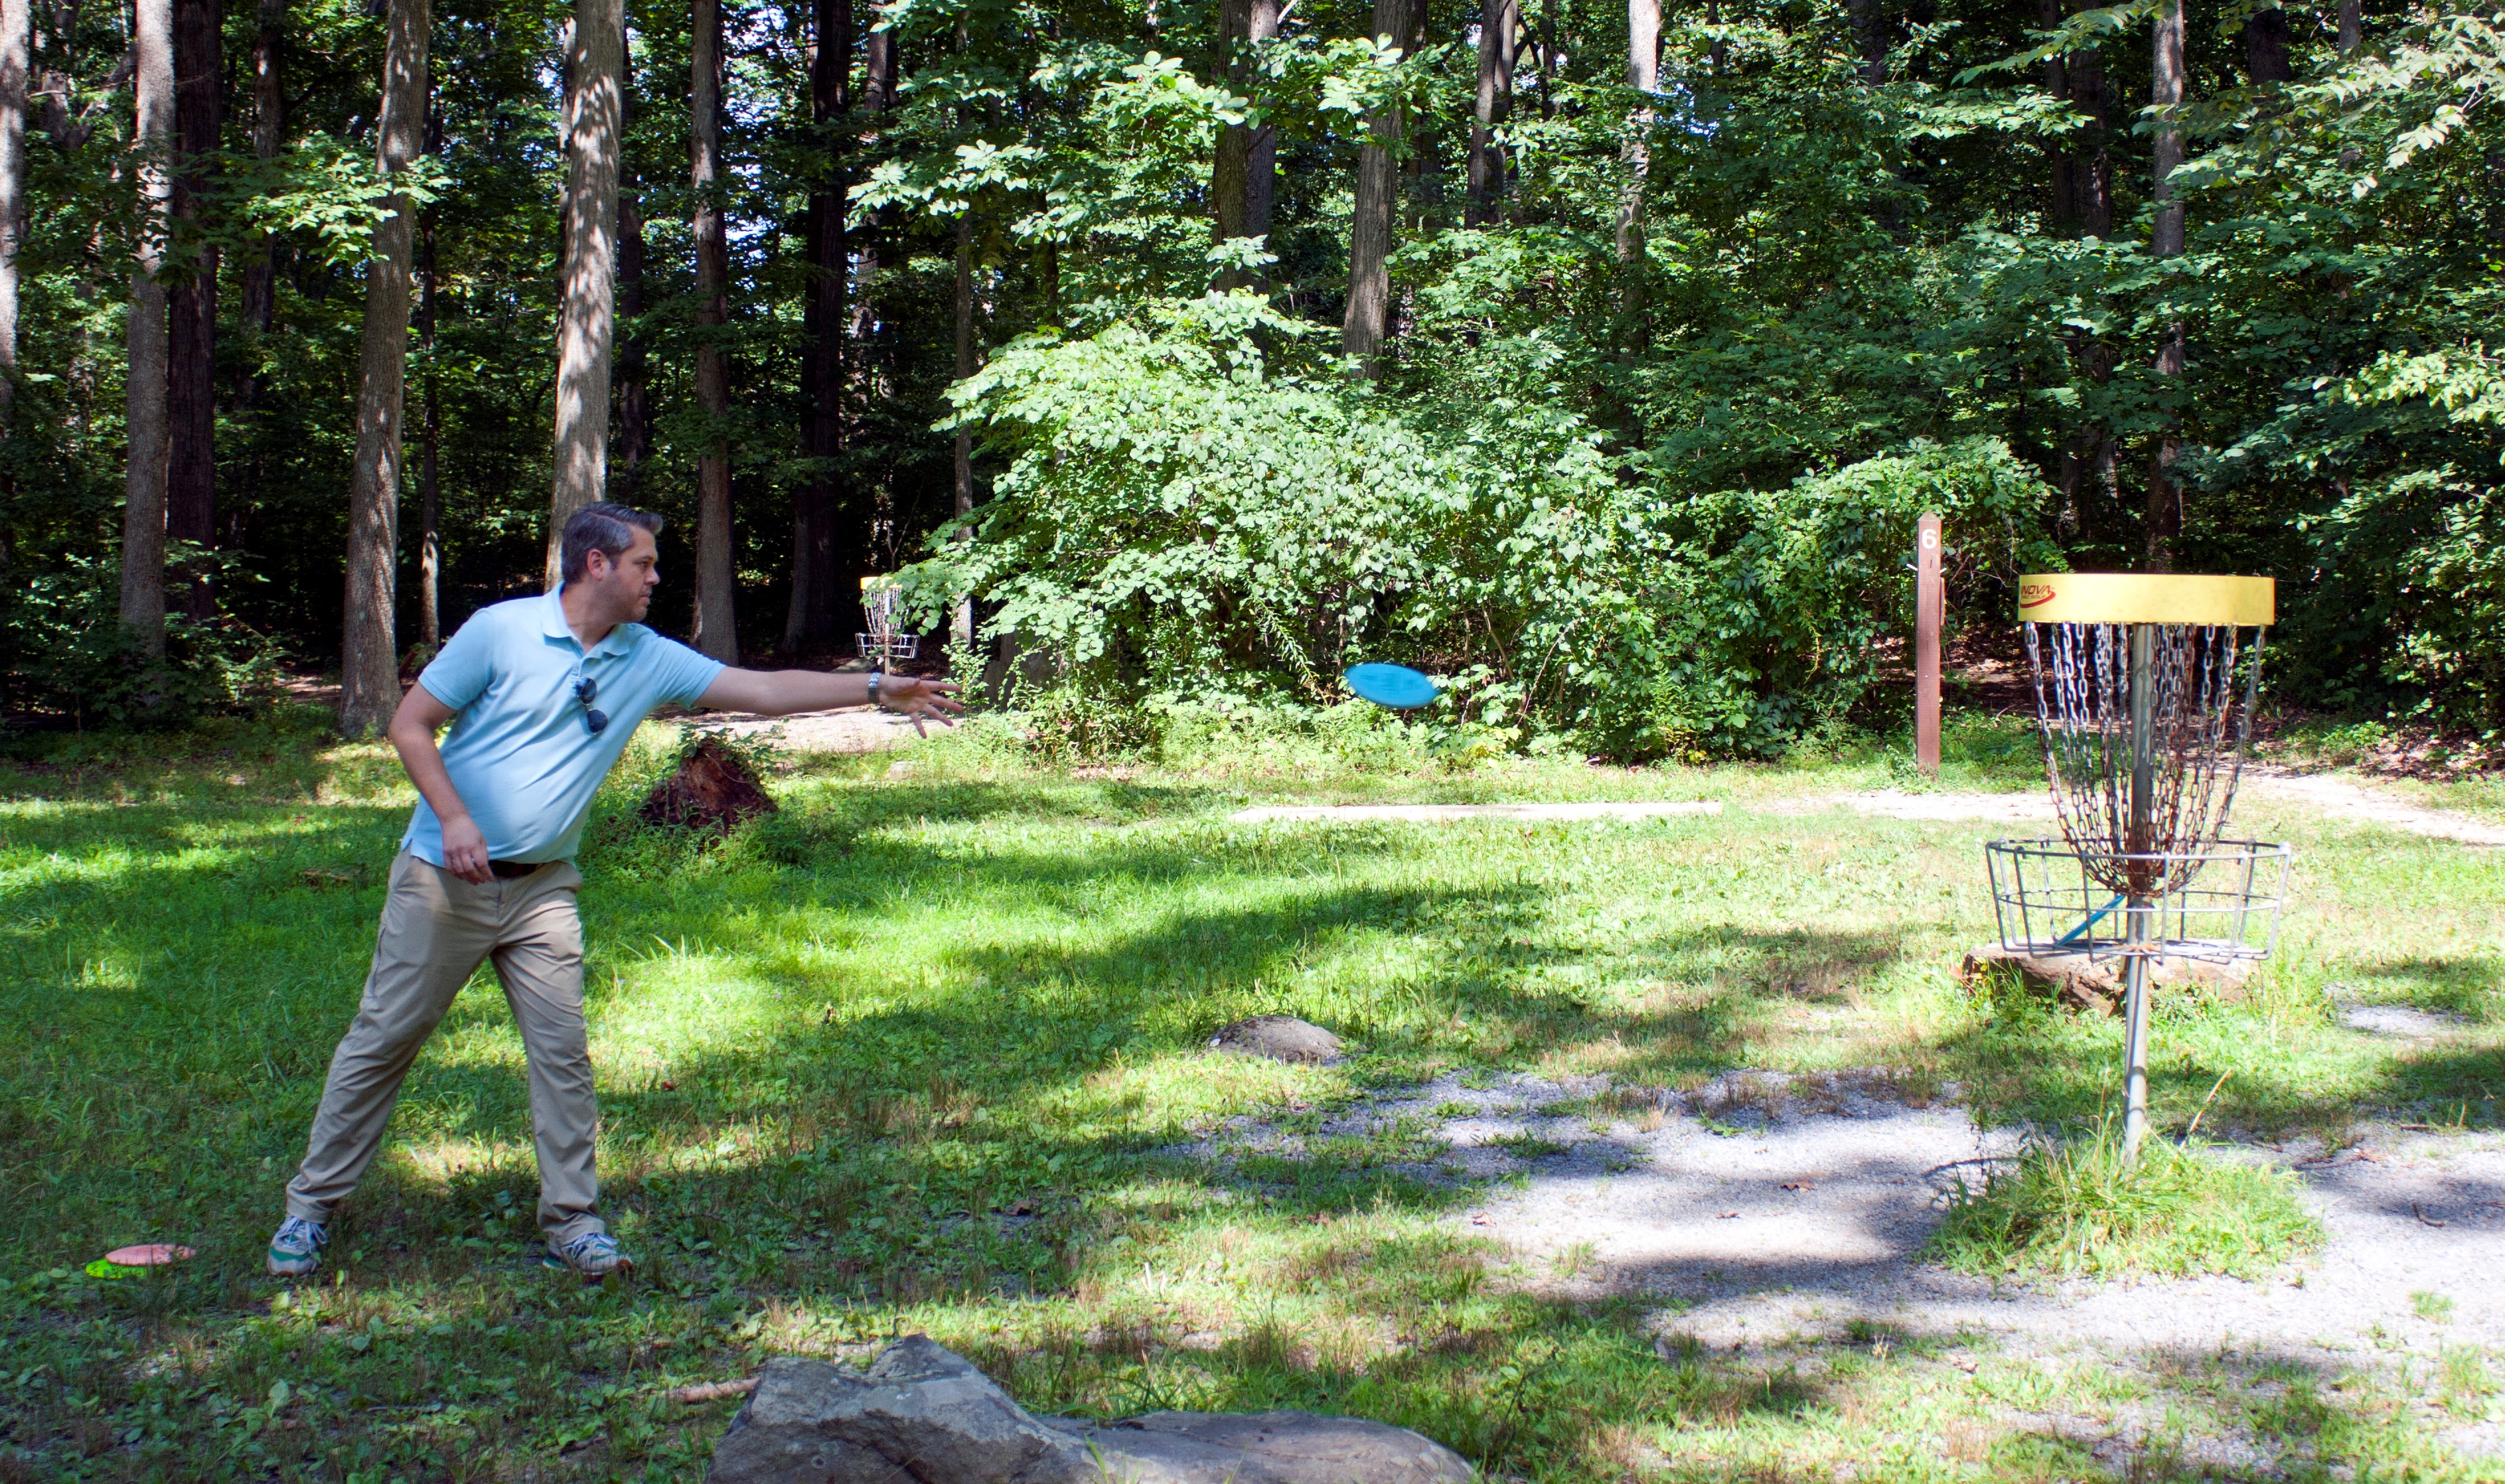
column 2144, row 689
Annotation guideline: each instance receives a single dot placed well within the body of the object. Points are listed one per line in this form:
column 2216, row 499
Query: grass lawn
column 904, row 1056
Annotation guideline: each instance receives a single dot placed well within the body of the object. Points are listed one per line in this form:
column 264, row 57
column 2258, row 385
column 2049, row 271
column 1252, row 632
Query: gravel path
column 2326, row 797
column 1764, row 1211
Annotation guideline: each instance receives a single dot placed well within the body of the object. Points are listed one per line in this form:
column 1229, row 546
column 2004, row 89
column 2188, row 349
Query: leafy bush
column 68, row 653
column 1180, row 521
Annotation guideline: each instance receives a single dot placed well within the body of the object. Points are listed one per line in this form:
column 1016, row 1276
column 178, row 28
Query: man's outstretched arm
column 780, row 693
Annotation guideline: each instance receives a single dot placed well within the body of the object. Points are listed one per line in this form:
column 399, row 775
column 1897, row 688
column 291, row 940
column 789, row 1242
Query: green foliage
column 68, row 655
column 1179, row 519
column 2080, row 1209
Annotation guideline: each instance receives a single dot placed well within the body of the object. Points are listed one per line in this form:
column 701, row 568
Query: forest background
column 1598, row 356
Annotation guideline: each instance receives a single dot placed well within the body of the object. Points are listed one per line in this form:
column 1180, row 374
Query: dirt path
column 2323, row 797
column 1767, row 1214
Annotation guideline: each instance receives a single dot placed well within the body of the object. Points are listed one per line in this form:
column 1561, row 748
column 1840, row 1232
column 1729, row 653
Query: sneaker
column 297, row 1250
column 595, row 1255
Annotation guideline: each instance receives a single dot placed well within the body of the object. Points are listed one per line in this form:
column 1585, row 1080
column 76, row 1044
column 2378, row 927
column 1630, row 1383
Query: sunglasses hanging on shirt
column 584, row 690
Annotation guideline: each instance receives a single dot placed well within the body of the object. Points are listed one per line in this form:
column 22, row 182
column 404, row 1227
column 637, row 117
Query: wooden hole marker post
column 1928, row 608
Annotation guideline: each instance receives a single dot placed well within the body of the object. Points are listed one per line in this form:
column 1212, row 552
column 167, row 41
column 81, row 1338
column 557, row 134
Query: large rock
column 1279, row 1038
column 926, row 1416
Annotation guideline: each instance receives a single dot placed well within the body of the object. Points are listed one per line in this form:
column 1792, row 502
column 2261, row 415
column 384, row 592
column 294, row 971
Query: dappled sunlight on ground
column 927, row 1051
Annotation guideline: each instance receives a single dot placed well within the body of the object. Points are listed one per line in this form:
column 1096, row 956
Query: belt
column 509, row 870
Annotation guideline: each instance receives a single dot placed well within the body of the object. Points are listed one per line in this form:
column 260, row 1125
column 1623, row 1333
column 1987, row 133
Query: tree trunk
column 816, row 615
column 962, row 625
column 1870, row 38
column 2265, row 39
column 1548, row 56
column 1500, row 33
column 370, row 655
column 1244, row 184
column 2091, row 176
column 715, row 632
column 143, row 514
column 430, row 506
column 2065, row 203
column 1644, row 75
column 1262, row 161
column 586, row 314
column 2166, row 94
column 1230, row 174
column 16, row 55
column 1369, row 232
column 634, row 395
column 820, row 521
column 191, row 303
column 268, row 130
column 2352, row 25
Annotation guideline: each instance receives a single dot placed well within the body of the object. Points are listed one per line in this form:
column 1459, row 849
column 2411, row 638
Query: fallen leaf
column 1724, row 1215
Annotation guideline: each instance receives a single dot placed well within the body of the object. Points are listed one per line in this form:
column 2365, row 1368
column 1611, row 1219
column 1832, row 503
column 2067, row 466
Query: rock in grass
column 1279, row 1038
column 2078, row 982
column 923, row 1413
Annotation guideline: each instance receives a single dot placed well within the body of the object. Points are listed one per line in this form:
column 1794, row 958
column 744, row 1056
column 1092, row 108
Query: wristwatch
column 875, row 677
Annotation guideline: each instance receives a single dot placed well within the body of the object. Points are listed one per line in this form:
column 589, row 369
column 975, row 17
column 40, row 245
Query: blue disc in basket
column 1395, row 686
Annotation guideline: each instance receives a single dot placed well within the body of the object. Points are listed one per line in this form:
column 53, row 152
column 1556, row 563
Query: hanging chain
column 2204, row 678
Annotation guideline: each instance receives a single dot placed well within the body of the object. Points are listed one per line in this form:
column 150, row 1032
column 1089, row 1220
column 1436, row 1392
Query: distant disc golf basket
column 2144, row 691
column 884, row 643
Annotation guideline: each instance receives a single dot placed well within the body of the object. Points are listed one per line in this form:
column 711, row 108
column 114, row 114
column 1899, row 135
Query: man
column 543, row 693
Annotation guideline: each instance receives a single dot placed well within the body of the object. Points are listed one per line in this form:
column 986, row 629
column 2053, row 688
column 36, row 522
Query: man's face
column 625, row 586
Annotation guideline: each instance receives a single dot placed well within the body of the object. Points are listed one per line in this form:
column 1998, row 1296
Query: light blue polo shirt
column 521, row 752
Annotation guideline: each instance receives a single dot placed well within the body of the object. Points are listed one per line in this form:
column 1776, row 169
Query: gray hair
column 605, row 528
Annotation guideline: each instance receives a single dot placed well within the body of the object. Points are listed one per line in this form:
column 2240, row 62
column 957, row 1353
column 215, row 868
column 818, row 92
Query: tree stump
column 713, row 790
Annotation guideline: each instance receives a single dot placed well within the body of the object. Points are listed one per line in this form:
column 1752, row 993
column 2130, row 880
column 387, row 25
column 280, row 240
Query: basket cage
column 2050, row 898
column 883, row 641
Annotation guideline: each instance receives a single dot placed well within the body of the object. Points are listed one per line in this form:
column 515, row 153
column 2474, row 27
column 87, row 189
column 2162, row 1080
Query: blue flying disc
column 1395, row 686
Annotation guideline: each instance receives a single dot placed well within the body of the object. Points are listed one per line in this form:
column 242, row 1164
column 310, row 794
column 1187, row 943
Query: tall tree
column 1244, row 181
column 1500, row 33
column 16, row 55
column 269, row 132
column 2352, row 25
column 826, row 540
column 1643, row 76
column 2166, row 96
column 191, row 298
column 430, row 502
column 143, row 510
column 634, row 392
column 370, row 655
column 2265, row 39
column 2092, row 175
column 1369, row 232
column 715, row 631
column 586, row 307
column 961, row 451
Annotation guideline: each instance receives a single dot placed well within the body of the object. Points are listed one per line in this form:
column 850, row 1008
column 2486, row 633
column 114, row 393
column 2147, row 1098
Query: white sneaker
column 297, row 1250
column 595, row 1255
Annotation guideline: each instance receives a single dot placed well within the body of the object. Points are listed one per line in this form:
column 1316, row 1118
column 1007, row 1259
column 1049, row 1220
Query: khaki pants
column 435, row 929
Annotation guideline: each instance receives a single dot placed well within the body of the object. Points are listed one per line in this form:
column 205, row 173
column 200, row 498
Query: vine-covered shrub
column 1181, row 521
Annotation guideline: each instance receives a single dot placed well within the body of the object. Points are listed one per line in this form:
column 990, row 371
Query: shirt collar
column 552, row 623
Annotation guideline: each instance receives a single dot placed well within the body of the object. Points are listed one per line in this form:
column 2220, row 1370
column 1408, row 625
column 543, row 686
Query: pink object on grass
column 147, row 1255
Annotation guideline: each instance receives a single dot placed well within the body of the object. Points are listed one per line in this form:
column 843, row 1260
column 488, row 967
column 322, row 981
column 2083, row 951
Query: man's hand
column 932, row 700
column 465, row 850
column 780, row 692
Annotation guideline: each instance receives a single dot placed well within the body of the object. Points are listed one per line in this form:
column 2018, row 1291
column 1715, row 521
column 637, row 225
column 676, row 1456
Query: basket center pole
column 2140, row 870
